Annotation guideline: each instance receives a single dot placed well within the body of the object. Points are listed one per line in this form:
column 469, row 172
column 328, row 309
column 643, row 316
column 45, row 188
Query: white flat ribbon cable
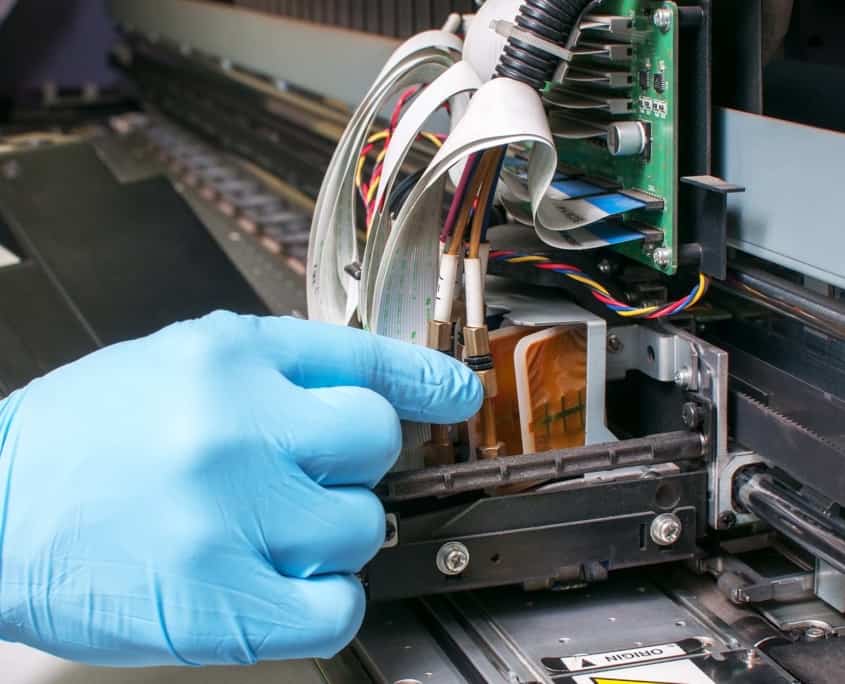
column 458, row 80
column 333, row 293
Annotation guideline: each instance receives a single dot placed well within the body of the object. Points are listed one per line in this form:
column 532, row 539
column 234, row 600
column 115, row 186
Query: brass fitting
column 489, row 452
column 440, row 336
column 488, row 381
column 440, row 450
column 476, row 342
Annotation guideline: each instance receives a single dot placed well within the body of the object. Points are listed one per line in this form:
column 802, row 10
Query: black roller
column 551, row 20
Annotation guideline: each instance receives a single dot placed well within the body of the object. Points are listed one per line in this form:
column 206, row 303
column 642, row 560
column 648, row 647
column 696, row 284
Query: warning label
column 614, row 658
column 677, row 672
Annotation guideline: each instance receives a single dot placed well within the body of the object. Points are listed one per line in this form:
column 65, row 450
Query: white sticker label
column 628, row 657
column 678, row 672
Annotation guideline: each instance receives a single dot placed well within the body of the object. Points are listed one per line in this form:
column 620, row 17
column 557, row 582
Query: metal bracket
column 741, row 584
column 663, row 356
column 727, row 514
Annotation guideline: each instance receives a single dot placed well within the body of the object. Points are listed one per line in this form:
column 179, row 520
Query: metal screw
column 814, row 633
column 614, row 344
column 727, row 520
column 605, row 266
column 662, row 256
column 391, row 531
column 683, row 377
column 663, row 19
column 666, row 529
column 691, row 415
column 452, row 558
column 751, row 658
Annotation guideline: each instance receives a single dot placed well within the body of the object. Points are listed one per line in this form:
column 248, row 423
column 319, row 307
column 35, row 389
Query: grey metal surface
column 658, row 354
column 505, row 635
column 791, row 212
column 337, row 63
column 801, row 615
column 830, row 585
column 605, row 617
column 822, row 313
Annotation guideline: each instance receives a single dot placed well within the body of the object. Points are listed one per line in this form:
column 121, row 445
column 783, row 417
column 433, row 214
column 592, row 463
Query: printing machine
column 703, row 538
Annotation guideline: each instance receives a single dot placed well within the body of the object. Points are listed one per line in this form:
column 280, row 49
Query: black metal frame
column 577, row 534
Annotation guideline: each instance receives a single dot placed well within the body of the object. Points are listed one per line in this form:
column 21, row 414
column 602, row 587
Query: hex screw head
column 452, row 559
column 614, row 344
column 666, row 529
column 683, row 377
column 814, row 633
column 663, row 18
column 727, row 520
column 692, row 415
column 662, row 256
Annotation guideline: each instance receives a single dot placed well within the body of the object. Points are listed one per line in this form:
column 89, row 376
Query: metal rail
column 790, row 514
column 792, row 300
column 667, row 447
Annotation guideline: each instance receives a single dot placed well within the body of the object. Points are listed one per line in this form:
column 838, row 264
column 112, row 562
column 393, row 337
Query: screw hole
column 495, row 559
column 667, row 496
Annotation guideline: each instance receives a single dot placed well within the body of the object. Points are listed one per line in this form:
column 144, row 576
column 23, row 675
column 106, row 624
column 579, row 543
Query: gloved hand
column 201, row 496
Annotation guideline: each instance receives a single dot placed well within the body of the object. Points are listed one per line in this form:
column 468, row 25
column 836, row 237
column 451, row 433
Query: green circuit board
column 652, row 68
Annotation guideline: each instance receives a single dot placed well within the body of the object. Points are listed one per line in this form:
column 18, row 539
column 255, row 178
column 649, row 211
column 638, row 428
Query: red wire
column 552, row 267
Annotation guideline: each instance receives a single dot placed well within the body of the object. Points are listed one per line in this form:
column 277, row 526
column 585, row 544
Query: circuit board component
column 622, row 84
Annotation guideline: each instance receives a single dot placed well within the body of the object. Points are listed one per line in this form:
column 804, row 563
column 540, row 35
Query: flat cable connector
column 478, row 358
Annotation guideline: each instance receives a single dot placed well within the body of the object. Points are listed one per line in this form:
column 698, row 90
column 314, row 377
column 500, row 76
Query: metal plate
column 759, row 153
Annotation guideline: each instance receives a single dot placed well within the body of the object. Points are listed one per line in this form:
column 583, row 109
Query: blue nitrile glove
column 201, row 496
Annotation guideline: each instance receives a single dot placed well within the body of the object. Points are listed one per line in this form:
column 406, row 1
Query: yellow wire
column 375, row 137
column 432, row 138
column 638, row 312
column 381, row 135
column 590, row 283
column 703, row 284
column 527, row 260
column 359, row 172
column 371, row 193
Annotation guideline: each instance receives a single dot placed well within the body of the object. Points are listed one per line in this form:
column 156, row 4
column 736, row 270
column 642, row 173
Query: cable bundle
column 367, row 191
column 601, row 293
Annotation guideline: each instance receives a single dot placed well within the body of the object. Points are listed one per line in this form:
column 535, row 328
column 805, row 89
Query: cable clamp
column 508, row 29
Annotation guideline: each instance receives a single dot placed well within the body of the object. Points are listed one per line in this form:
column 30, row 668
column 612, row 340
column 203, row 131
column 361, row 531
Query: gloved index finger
column 423, row 385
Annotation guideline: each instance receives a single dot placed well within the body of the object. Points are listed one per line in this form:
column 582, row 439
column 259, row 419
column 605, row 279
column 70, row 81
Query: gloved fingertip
column 335, row 607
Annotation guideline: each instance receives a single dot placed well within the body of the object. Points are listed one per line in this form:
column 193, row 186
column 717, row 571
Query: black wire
column 401, row 191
